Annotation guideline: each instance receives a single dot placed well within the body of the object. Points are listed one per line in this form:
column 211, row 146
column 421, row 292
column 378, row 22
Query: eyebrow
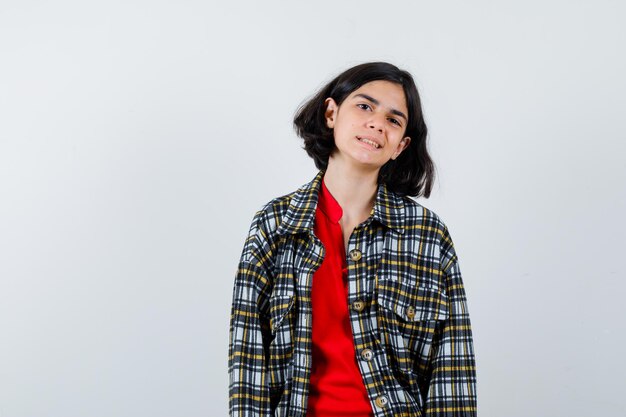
column 376, row 102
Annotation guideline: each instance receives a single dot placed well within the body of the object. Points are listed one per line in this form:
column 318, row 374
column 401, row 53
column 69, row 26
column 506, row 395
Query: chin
column 367, row 163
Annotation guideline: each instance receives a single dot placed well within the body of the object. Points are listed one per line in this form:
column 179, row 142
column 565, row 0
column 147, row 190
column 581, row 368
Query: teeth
column 374, row 144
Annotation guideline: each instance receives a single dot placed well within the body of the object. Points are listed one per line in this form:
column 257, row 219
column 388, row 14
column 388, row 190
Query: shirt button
column 358, row 305
column 367, row 354
column 410, row 312
column 355, row 254
column 381, row 401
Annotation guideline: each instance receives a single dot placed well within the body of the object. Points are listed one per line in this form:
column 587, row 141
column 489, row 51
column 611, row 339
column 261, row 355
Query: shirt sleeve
column 451, row 391
column 249, row 333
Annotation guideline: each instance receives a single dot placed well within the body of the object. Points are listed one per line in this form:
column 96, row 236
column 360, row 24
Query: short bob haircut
column 413, row 172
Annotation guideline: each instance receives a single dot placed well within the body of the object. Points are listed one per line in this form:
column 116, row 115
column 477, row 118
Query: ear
column 331, row 112
column 404, row 143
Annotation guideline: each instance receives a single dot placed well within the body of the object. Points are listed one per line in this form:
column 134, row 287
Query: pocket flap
column 425, row 303
column 279, row 307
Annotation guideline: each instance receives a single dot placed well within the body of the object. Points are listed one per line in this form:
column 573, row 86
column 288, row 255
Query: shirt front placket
column 364, row 252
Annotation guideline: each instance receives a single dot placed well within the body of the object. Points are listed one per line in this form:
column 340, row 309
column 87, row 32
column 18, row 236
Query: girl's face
column 369, row 125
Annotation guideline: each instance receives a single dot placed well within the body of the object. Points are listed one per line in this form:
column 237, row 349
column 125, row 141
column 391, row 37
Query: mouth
column 369, row 142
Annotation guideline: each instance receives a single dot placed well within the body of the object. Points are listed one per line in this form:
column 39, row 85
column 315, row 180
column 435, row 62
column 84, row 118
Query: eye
column 395, row 121
column 363, row 104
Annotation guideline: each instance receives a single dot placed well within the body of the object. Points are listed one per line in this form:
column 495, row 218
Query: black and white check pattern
column 415, row 321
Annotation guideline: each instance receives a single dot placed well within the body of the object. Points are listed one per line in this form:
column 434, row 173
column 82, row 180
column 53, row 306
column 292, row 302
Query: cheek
column 344, row 129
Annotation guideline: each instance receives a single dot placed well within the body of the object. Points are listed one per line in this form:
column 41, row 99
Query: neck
column 354, row 188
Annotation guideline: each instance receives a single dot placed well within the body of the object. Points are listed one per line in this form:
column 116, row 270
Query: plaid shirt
column 408, row 311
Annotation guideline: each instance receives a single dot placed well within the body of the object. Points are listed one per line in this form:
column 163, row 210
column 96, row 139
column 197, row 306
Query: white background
column 138, row 138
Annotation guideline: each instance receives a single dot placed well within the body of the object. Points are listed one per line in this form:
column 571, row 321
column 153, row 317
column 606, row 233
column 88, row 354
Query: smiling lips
column 369, row 142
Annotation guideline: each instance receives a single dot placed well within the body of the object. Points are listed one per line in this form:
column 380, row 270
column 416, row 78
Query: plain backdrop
column 138, row 138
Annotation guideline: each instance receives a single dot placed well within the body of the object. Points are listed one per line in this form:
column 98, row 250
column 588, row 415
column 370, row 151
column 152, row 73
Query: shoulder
column 425, row 224
column 271, row 213
column 262, row 234
column 422, row 217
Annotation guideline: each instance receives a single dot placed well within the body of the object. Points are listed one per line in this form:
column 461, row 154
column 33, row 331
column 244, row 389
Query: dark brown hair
column 412, row 173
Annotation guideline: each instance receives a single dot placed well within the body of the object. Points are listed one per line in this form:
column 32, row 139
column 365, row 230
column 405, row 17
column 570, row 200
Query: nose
column 376, row 122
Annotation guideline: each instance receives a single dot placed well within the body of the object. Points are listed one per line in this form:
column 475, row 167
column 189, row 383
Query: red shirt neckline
column 329, row 205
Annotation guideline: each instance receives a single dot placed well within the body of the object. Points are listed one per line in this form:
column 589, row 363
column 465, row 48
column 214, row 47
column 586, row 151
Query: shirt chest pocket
column 408, row 318
column 415, row 304
column 282, row 302
column 281, row 306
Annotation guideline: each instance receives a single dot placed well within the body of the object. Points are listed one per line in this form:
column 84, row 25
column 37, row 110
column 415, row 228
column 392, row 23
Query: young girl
column 348, row 299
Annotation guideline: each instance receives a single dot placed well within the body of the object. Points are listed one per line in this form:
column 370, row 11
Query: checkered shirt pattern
column 413, row 339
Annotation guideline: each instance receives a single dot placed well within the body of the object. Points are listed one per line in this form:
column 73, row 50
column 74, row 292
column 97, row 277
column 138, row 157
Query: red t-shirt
column 336, row 385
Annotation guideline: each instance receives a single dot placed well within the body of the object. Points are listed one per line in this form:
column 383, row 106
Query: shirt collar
column 300, row 215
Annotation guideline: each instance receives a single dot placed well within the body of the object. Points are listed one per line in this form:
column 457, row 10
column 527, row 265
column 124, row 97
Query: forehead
column 390, row 95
